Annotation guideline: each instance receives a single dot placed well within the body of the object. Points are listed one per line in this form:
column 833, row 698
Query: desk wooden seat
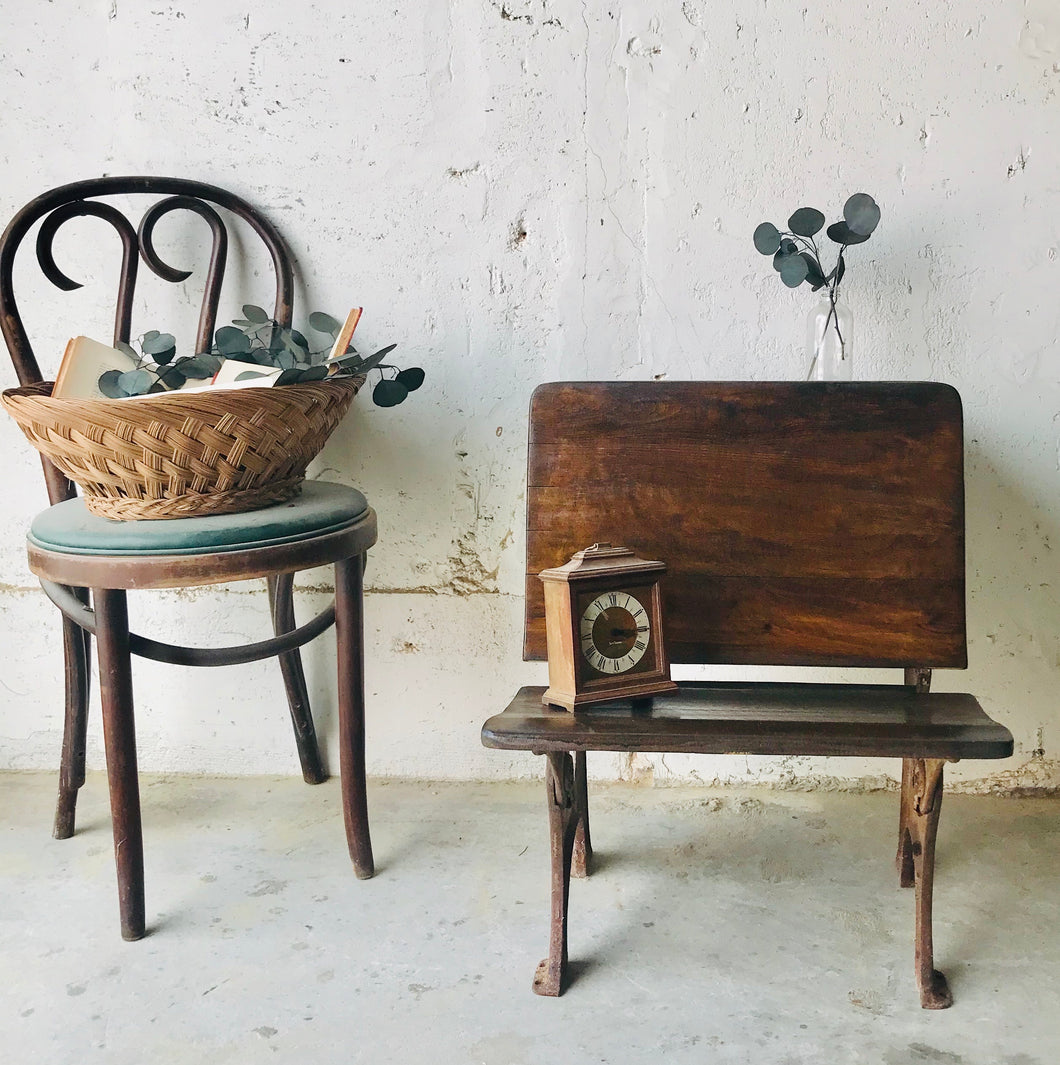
column 703, row 717
column 804, row 524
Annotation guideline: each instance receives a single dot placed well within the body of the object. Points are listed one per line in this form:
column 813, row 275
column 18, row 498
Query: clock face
column 614, row 632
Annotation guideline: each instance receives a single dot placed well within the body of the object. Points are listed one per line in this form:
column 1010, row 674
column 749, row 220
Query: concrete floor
column 751, row 927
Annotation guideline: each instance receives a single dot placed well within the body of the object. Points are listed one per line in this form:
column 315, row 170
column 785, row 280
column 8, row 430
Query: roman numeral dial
column 614, row 632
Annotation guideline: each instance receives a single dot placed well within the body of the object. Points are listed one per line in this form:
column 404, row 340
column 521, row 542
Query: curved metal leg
column 564, row 815
column 281, row 604
column 927, row 787
column 349, row 636
column 119, row 735
column 906, row 815
column 77, row 649
column 583, row 847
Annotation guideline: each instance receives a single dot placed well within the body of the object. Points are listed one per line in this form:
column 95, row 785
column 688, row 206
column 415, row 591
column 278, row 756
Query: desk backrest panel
column 801, row 523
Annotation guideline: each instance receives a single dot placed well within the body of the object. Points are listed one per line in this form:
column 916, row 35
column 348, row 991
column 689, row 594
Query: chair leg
column 119, row 735
column 921, row 805
column 77, row 648
column 564, row 816
column 583, row 846
column 349, row 636
column 281, row 604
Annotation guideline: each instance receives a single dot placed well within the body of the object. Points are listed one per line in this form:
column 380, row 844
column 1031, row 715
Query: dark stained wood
column 281, row 603
column 119, row 736
column 80, row 198
column 76, row 654
column 811, row 503
column 707, row 717
column 766, row 621
column 349, row 638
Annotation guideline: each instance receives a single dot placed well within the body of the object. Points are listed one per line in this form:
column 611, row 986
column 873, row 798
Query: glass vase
column 829, row 341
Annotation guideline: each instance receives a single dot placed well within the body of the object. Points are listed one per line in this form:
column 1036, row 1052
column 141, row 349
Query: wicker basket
column 176, row 455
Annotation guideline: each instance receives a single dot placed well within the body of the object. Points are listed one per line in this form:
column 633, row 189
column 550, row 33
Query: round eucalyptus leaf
column 248, row 375
column 172, row 377
column 806, row 221
column 136, row 382
column 389, row 393
column 314, row 373
column 285, row 360
column 109, row 386
column 231, row 341
column 411, row 378
column 163, row 357
column 767, row 238
column 157, row 387
column 814, row 274
column 793, row 270
column 158, row 342
column 255, row 314
column 275, row 339
column 861, row 214
column 299, row 340
column 288, row 377
column 199, row 367
column 841, row 233
column 787, row 249
column 324, row 323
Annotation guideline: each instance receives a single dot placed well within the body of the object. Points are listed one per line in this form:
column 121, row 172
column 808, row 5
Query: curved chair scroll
column 68, row 569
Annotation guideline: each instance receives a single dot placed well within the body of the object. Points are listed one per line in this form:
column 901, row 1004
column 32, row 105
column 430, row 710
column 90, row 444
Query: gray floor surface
column 718, row 926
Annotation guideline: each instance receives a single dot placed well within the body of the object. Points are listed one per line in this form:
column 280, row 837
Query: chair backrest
column 82, row 198
column 801, row 524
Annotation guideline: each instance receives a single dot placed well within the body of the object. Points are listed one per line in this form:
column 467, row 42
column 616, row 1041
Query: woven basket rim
column 141, row 405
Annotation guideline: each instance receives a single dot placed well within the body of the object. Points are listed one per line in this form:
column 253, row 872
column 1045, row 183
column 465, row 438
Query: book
column 83, row 362
column 231, row 370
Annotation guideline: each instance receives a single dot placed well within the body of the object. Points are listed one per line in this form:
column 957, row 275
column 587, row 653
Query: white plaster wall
column 521, row 191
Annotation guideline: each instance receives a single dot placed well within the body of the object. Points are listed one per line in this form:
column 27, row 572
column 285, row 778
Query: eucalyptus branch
column 861, row 215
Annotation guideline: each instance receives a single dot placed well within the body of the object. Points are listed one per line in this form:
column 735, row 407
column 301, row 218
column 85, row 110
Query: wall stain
column 469, row 575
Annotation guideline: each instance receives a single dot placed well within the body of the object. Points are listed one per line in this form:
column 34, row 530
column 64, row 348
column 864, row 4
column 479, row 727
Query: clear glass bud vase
column 829, row 341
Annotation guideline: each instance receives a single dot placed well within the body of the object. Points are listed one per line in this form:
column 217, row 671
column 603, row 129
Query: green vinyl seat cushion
column 71, row 528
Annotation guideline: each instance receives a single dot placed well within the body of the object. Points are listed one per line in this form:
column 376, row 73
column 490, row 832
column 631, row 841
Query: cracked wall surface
column 535, row 190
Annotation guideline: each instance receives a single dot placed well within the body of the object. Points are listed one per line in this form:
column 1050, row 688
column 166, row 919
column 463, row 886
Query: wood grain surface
column 705, row 717
column 801, row 523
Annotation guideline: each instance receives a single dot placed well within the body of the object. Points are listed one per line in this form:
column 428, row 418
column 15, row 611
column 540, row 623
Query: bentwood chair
column 82, row 559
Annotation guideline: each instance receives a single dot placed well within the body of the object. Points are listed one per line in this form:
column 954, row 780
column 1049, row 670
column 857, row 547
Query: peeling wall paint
column 529, row 190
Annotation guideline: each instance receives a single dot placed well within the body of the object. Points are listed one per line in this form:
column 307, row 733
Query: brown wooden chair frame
column 68, row 578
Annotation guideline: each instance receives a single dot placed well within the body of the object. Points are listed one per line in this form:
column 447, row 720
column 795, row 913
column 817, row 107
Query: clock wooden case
column 603, row 622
